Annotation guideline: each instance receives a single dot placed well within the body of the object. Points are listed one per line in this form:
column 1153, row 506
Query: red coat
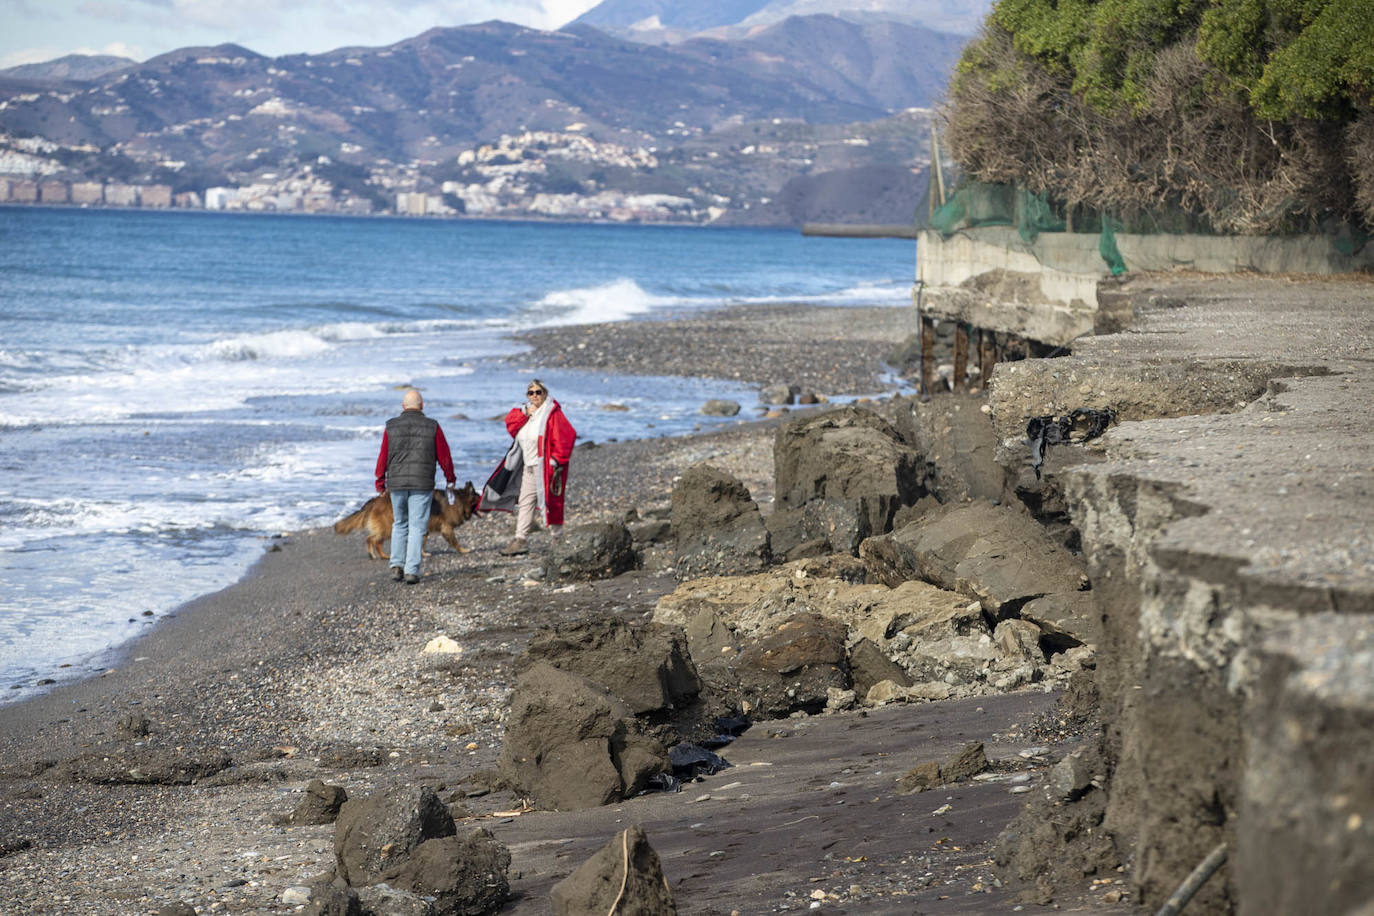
column 555, row 447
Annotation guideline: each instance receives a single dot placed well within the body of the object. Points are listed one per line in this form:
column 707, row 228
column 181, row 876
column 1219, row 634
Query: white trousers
column 529, row 501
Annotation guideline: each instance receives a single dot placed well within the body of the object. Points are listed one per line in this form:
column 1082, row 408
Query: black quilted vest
column 410, row 451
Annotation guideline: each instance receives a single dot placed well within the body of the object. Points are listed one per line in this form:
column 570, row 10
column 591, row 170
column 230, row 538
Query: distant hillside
column 431, row 96
column 672, row 21
column 502, row 120
column 73, row 67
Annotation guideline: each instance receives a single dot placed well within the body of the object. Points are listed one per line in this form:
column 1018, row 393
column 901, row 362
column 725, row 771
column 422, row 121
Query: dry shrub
column 1193, row 156
column 1359, row 152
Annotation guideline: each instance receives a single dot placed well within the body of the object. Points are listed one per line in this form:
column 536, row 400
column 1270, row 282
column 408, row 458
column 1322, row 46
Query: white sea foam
column 607, row 302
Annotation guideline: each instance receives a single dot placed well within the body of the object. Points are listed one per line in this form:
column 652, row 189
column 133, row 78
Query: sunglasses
column 530, row 394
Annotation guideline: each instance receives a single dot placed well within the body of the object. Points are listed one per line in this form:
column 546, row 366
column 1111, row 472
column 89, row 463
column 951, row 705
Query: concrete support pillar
column 987, row 354
column 927, row 355
column 961, row 335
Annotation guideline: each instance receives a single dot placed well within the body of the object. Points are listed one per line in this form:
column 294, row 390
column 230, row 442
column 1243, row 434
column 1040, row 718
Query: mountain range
column 671, row 20
column 806, row 95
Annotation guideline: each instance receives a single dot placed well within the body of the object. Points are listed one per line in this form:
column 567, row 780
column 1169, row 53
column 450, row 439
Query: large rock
column 375, row 833
column 598, row 551
column 869, row 664
column 624, row 877
column 571, row 744
column 648, row 667
column 959, row 445
column 793, row 668
column 718, row 527
column 320, row 804
column 999, row 555
column 849, row 470
column 463, row 875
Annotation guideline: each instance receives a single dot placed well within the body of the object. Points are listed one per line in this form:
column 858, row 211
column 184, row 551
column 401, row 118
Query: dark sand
column 311, row 668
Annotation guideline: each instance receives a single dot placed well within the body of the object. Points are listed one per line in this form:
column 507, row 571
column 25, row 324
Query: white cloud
column 39, row 55
column 143, row 28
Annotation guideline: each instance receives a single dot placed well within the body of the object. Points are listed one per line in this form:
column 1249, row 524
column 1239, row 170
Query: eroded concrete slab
column 1236, row 497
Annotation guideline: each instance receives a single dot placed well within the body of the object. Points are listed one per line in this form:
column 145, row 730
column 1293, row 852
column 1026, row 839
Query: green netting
column 975, row 204
column 1106, row 246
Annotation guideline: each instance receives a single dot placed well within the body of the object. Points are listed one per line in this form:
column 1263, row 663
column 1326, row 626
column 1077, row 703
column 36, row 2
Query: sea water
column 175, row 388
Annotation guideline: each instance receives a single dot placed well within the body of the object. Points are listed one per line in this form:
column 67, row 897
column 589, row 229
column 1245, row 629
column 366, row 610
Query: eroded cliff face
column 1228, row 528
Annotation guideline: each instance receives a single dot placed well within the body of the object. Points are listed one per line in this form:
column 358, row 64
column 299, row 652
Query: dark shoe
column 412, row 579
column 515, row 548
column 396, row 574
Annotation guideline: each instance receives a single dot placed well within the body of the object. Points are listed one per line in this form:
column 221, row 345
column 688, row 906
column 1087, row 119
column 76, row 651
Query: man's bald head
column 411, row 400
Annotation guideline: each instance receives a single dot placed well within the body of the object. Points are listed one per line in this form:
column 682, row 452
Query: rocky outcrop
column 717, row 525
column 625, row 876
column 572, row 744
column 648, row 667
column 840, row 477
column 923, row 641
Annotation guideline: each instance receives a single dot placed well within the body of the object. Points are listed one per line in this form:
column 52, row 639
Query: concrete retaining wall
column 1055, row 298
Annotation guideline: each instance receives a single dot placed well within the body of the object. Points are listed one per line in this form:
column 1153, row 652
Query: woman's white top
column 528, row 436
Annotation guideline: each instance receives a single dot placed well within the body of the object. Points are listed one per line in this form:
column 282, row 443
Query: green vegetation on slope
column 1228, row 115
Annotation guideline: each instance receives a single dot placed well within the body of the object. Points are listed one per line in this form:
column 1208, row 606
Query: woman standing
column 534, row 474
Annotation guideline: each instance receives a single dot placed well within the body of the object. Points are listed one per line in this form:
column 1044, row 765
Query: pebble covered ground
column 312, row 668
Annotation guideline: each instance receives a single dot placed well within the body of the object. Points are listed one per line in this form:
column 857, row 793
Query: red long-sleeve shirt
column 441, row 454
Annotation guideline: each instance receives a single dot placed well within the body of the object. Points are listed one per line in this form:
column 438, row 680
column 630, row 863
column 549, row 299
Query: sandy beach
column 311, row 668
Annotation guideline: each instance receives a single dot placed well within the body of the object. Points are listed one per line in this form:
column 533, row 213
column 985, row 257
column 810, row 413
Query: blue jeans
column 410, row 508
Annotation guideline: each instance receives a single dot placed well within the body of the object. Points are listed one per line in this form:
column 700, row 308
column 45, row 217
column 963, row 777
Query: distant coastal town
column 508, row 178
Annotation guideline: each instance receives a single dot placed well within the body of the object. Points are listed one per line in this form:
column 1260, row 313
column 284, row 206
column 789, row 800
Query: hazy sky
column 38, row 30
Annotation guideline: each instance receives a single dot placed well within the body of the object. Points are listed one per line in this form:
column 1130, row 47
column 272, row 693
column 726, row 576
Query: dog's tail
column 350, row 523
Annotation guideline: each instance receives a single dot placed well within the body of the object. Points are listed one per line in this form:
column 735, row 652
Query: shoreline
column 632, row 346
column 310, row 667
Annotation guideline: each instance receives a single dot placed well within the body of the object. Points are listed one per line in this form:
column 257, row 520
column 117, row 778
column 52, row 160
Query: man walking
column 411, row 445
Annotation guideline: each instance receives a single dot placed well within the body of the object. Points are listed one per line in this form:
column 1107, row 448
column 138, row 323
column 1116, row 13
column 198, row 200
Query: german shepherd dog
column 376, row 518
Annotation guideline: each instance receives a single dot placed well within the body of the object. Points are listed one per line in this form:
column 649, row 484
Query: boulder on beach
column 717, row 407
column 1002, row 557
column 601, row 550
column 717, row 525
column 647, row 666
column 320, row 804
column 466, row 874
column 571, row 744
column 957, row 440
column 794, row 667
column 847, row 471
column 624, row 876
column 375, row 833
column 777, row 395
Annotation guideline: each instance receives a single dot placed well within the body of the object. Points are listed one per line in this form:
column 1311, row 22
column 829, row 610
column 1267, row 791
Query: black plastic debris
column 728, row 729
column 690, row 761
column 664, row 782
column 1080, row 425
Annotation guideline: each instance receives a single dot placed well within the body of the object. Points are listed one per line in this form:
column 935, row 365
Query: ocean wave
column 271, row 345
column 611, row 301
